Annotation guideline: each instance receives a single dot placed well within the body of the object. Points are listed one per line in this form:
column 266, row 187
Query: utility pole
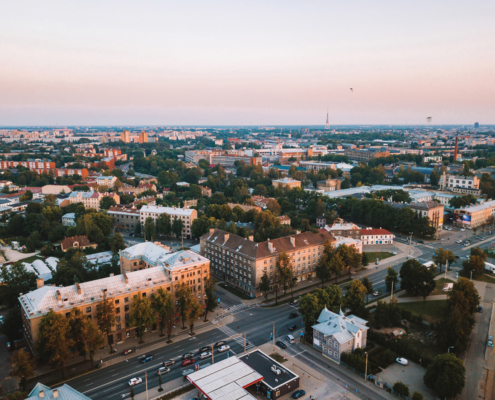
column 392, row 294
column 146, row 377
column 366, row 368
column 244, row 342
column 212, row 355
column 273, row 336
column 446, row 268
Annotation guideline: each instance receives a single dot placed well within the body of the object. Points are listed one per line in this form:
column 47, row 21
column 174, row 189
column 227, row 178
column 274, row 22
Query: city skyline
column 227, row 63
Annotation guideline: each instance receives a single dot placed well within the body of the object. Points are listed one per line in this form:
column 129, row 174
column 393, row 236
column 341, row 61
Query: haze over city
column 246, row 63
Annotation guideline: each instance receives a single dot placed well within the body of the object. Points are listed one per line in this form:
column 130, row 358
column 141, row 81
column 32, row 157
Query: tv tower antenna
column 327, row 125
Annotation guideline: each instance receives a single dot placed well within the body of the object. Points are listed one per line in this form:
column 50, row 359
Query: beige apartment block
column 242, row 262
column 475, row 216
column 286, row 183
column 187, row 215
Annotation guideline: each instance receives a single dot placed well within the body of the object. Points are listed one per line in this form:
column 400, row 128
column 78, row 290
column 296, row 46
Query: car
column 290, row 339
column 297, row 394
column 480, row 309
column 206, row 354
column 457, row 257
column 188, row 355
column 467, row 256
column 489, row 232
column 146, row 359
column 482, row 238
column 293, row 315
column 293, row 302
column 224, row 348
column 168, row 363
column 456, row 275
column 459, row 241
column 376, row 294
column 292, row 327
column 280, row 344
column 490, row 343
column 135, row 381
column 421, row 241
column 189, row 361
column 127, row 352
column 1, row 319
column 462, row 229
column 220, row 343
column 402, row 361
column 162, row 370
column 204, row 348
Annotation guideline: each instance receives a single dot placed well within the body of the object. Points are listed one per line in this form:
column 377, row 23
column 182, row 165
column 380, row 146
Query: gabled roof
column 64, row 392
column 368, row 232
column 339, row 326
column 69, row 241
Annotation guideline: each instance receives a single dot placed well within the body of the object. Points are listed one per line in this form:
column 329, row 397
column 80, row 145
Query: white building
column 187, row 215
column 69, row 219
column 376, row 236
column 107, row 181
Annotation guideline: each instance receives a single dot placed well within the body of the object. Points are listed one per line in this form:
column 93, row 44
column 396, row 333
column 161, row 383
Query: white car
column 462, row 229
column 467, row 257
column 459, row 241
column 402, row 361
column 224, row 348
column 206, row 354
column 135, row 381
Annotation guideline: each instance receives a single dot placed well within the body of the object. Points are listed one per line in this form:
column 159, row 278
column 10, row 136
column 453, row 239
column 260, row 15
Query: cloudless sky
column 256, row 62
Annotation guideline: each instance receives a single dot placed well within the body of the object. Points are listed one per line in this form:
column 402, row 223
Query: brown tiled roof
column 69, row 242
column 284, row 218
column 426, row 205
column 248, row 248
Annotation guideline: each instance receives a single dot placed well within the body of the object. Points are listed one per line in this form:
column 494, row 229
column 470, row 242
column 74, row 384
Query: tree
column 105, row 317
column 28, row 195
column 350, row 256
column 22, row 367
column 77, row 330
column 142, row 314
column 388, row 314
column 264, row 285
column 391, row 278
column 475, row 264
column 369, row 287
column 137, row 229
column 195, row 310
column 417, row 396
column 284, row 271
column 401, row 388
column 12, row 326
column 365, row 260
column 162, row 303
column 177, row 227
column 184, row 297
column 93, row 339
column 106, row 202
column 446, row 375
column 274, row 207
column 416, row 279
column 117, row 243
column 149, row 229
column 163, row 225
column 211, row 299
column 329, row 264
column 441, row 257
column 354, row 298
column 54, row 342
column 16, row 279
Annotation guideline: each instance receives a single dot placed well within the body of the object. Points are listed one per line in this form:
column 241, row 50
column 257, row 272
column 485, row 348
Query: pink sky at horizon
column 246, row 63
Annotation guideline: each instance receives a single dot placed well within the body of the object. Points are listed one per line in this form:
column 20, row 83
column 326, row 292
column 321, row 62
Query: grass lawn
column 233, row 290
column 381, row 255
column 30, row 260
column 432, row 311
column 485, row 278
column 439, row 286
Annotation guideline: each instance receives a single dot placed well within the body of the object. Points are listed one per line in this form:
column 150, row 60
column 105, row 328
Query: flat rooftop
column 262, row 363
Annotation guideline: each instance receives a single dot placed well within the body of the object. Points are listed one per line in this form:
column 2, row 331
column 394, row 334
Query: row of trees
column 164, row 226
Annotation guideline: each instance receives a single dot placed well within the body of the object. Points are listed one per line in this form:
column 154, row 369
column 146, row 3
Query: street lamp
column 472, row 274
column 366, row 367
column 448, row 350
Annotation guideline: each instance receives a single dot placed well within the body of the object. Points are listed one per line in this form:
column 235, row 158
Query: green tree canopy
column 446, row 375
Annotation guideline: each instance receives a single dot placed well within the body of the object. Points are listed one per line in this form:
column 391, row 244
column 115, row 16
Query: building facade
column 187, row 215
column 288, row 183
column 365, row 154
column 328, row 185
column 452, row 182
column 431, row 209
column 475, row 216
column 242, row 262
column 125, row 218
column 345, row 229
column 69, row 219
column 371, row 236
column 91, row 199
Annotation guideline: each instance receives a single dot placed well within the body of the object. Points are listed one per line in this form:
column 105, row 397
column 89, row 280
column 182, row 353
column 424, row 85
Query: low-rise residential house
column 345, row 229
column 77, row 242
column 335, row 334
column 376, row 236
column 284, row 220
column 329, row 185
column 69, row 219
column 107, row 181
column 321, row 221
column 206, row 191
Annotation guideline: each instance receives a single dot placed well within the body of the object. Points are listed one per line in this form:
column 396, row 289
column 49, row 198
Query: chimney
column 55, row 393
column 41, row 394
column 293, row 241
column 211, row 231
column 40, row 283
column 78, row 287
column 126, row 278
column 59, row 295
column 251, row 238
column 226, row 237
column 270, row 246
column 298, row 232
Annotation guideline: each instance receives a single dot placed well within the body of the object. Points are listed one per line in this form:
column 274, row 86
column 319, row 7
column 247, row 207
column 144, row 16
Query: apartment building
column 187, row 215
column 107, row 181
column 222, row 157
column 460, row 184
column 328, row 185
column 125, row 136
column 299, row 154
column 344, row 229
column 286, row 183
column 366, row 154
column 431, row 209
column 91, row 199
column 155, row 268
column 475, row 216
column 242, row 262
column 125, row 218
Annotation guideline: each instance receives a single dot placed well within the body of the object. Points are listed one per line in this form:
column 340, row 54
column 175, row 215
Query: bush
column 401, row 388
column 387, row 358
column 417, row 396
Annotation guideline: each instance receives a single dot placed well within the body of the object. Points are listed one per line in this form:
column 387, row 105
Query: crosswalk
column 236, row 308
column 239, row 340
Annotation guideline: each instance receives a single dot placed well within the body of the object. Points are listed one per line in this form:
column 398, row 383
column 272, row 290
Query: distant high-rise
column 476, row 125
column 143, row 137
column 456, row 151
column 125, row 136
column 327, row 125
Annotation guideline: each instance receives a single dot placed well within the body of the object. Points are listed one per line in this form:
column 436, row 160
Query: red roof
column 322, row 230
column 369, row 232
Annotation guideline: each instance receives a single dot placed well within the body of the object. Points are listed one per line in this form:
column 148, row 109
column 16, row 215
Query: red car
column 188, row 362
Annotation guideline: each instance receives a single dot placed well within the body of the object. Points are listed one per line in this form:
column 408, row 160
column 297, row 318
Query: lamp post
column 471, row 275
column 366, row 368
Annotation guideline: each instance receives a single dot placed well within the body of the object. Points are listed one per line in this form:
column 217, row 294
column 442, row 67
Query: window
column 126, row 308
column 126, row 300
column 119, row 327
column 117, row 301
column 88, row 309
column 144, row 294
column 117, row 319
column 117, row 310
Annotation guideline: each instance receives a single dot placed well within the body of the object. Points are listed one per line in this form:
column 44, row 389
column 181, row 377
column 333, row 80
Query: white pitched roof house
column 335, row 334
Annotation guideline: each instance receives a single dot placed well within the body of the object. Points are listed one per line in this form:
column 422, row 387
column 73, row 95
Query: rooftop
column 168, row 210
column 64, row 392
column 339, row 326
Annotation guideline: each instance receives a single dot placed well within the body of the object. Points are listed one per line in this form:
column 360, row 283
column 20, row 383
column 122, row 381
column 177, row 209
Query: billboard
column 466, row 219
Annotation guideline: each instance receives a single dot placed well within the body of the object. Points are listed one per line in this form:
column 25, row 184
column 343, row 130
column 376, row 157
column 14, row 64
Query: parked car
column 162, row 370
column 376, row 294
column 135, row 381
column 490, row 341
column 189, row 361
column 459, row 241
column 168, row 363
column 224, row 348
column 467, row 256
column 290, row 339
column 204, row 355
column 127, row 352
column 421, row 241
column 456, row 275
column 188, row 355
column 462, row 229
column 402, row 361
column 293, row 315
column 292, row 327
column 297, row 394
column 146, row 359
column 293, row 302
column 280, row 344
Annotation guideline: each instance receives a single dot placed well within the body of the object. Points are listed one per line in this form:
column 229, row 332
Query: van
column 402, row 361
column 290, row 339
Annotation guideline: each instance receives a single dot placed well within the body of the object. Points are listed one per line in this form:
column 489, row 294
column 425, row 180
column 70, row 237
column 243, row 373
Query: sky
column 251, row 62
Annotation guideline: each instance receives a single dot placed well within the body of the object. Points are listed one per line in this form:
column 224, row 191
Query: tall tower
column 456, row 148
column 327, row 125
